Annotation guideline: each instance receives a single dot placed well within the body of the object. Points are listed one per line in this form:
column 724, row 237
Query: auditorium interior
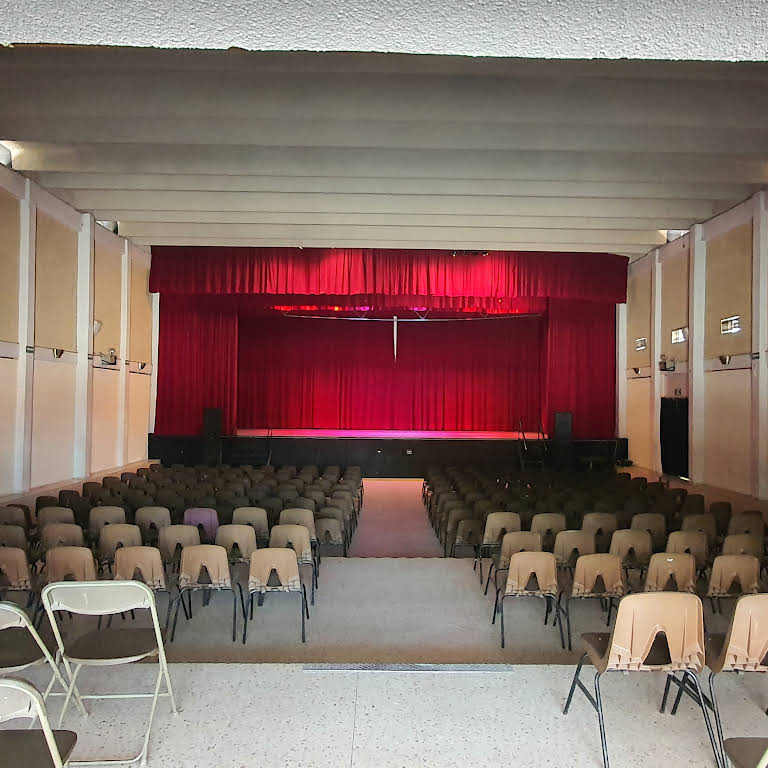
column 378, row 406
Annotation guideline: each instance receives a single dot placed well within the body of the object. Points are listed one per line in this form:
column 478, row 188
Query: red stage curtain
column 364, row 274
column 197, row 366
column 580, row 369
column 460, row 375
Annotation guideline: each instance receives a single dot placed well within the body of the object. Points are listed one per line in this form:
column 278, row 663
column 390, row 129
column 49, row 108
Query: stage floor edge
column 385, row 434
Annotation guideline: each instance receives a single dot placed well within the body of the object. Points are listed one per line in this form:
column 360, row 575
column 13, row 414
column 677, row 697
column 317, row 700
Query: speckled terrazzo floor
column 276, row 715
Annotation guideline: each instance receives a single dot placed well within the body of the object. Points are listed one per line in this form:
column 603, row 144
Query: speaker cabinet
column 563, row 427
column 212, row 422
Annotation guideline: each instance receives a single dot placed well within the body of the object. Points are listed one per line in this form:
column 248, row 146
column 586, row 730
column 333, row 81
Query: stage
column 386, row 434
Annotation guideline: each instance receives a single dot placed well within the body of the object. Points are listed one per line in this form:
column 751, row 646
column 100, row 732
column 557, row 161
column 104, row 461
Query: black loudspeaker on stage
column 212, row 423
column 563, row 427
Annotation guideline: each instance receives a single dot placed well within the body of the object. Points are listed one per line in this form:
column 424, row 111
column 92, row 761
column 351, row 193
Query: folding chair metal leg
column 601, row 719
column 574, row 683
column 703, row 704
column 488, row 580
column 70, row 689
column 667, row 685
column 234, row 615
column 558, row 619
column 502, row 620
column 303, row 609
column 495, row 608
column 718, row 721
column 567, row 612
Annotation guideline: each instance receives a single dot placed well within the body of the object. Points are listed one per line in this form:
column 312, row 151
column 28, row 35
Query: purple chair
column 204, row 516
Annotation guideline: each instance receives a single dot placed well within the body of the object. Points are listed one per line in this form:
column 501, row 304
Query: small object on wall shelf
column 58, row 353
column 110, row 358
column 725, row 359
column 730, row 324
column 679, row 335
column 641, row 344
column 666, row 364
column 637, row 371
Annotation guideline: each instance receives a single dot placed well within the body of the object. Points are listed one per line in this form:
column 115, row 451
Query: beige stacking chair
column 98, row 517
column 38, row 748
column 749, row 752
column 533, row 574
column 548, row 524
column 115, row 536
column 173, row 538
column 150, row 521
column 497, row 526
column 295, row 537
column 47, row 515
column 733, row 576
column 13, row 516
column 14, row 570
column 748, row 522
column 671, row 572
column 256, row 518
column 654, row 632
column 110, row 647
column 705, row 523
column 13, row 536
column 516, row 541
column 743, row 649
column 143, row 564
column 571, row 545
column 61, row 535
column 596, row 576
column 469, row 533
column 601, row 525
column 204, row 568
column 305, row 517
column 70, row 564
column 743, row 544
column 656, row 524
column 694, row 542
column 330, row 533
column 633, row 548
column 455, row 516
column 274, row 570
column 239, row 540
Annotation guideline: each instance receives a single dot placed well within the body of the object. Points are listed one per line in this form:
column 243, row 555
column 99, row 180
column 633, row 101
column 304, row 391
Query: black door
column 674, row 436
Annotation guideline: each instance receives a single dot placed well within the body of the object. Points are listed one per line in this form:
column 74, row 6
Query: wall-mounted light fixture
column 637, row 371
column 724, row 359
column 679, row 335
column 641, row 344
column 730, row 324
column 97, row 326
column 58, row 353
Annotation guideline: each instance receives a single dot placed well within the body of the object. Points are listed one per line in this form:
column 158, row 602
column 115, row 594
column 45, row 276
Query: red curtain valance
column 369, row 273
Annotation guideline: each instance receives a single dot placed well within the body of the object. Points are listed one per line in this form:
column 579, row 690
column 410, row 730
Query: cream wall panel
column 639, row 426
column 138, row 416
column 107, row 277
column 728, row 440
column 140, row 345
column 105, row 415
column 55, row 284
column 7, row 422
column 729, row 292
column 10, row 226
column 638, row 316
column 674, row 304
column 53, row 422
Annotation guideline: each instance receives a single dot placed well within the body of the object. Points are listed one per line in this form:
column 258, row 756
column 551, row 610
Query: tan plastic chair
column 705, row 523
column 548, row 524
column 498, row 525
column 601, row 525
column 61, row 535
column 150, row 520
column 743, row 649
column 633, row 548
column 237, row 535
column 571, row 545
column 11, row 515
column 469, row 533
column 295, row 537
column 274, row 570
column 517, row 541
column 13, row 536
column 204, row 568
column 305, row 517
column 173, row 537
column 117, row 535
column 455, row 516
column 14, row 569
column 48, row 515
column 635, row 645
column 743, row 544
column 596, row 576
column 110, row 647
column 39, row 748
column 671, row 572
column 694, row 542
column 140, row 563
column 331, row 533
column 749, row 522
column 656, row 524
column 98, row 517
column 533, row 574
column 733, row 576
column 70, row 564
column 747, row 752
column 256, row 517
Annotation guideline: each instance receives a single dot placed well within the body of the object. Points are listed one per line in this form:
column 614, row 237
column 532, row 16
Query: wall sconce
column 142, row 366
column 724, row 359
column 58, row 353
column 636, row 370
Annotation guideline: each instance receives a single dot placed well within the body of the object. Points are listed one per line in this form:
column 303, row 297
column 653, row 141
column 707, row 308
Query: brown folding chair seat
column 455, row 516
column 596, row 576
column 143, row 564
column 654, row 632
column 533, row 574
column 671, row 572
column 548, row 524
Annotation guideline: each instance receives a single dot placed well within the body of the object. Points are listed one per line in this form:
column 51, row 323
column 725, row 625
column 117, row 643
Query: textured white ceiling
column 730, row 30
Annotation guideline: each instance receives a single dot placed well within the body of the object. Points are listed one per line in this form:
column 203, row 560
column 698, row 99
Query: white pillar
column 760, row 346
column 696, row 382
column 153, row 375
column 26, row 363
column 81, row 465
column 125, row 308
column 656, row 346
column 621, row 370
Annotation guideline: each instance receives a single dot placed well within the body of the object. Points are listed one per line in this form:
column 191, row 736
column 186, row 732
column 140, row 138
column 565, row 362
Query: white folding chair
column 109, row 647
column 39, row 748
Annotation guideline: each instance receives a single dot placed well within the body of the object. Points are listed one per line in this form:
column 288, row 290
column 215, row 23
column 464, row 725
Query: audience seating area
column 644, row 550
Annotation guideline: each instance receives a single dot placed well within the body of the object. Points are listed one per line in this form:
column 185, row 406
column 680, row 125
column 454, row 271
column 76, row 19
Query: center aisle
column 394, row 522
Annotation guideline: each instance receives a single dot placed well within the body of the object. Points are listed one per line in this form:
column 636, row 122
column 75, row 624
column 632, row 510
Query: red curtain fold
column 197, row 366
column 580, row 367
column 459, row 375
column 388, row 272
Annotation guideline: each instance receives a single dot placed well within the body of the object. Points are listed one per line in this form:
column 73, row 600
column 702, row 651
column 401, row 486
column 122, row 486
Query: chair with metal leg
column 143, row 564
column 654, row 632
column 671, row 572
column 32, row 748
column 497, row 526
column 747, row 752
column 296, row 537
column 733, row 576
column 110, row 647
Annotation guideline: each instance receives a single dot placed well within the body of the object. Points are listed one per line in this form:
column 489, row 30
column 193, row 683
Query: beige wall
column 140, row 346
column 639, row 427
column 139, row 394
column 728, row 436
column 729, row 292
column 674, row 299
column 10, row 224
column 638, row 315
column 105, row 411
column 55, row 284
column 107, row 284
column 7, row 422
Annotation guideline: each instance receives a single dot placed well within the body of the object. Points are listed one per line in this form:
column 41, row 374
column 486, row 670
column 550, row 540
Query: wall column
column 760, row 346
column 696, row 383
column 125, row 324
column 656, row 347
column 621, row 370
